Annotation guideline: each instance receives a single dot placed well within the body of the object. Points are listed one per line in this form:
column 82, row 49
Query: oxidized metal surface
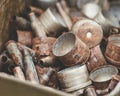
column 90, row 91
column 89, row 32
column 43, row 46
column 112, row 52
column 66, row 17
column 14, row 52
column 115, row 80
column 48, row 61
column 52, row 23
column 6, row 63
column 101, row 76
column 71, row 79
column 96, row 59
column 18, row 73
column 36, row 26
column 22, row 35
column 45, row 78
column 104, row 18
column 71, row 50
column 30, row 70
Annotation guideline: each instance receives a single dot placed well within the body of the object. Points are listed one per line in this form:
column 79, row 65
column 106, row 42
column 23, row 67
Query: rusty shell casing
column 32, row 53
column 53, row 24
column 5, row 63
column 15, row 53
column 115, row 80
column 22, row 47
column 96, row 59
column 45, row 78
column 30, row 70
column 90, row 91
column 66, row 16
column 101, row 76
column 37, row 26
column 25, row 37
column 18, row 73
column 88, row 31
column 43, row 46
column 74, row 78
column 112, row 52
column 53, row 82
column 71, row 50
column 22, row 24
column 48, row 61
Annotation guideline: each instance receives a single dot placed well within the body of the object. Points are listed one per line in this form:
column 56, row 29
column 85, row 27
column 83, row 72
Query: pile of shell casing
column 69, row 45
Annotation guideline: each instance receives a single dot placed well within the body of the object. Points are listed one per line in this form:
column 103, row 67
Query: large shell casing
column 74, row 78
column 71, row 50
column 112, row 52
column 101, row 76
column 89, row 32
column 53, row 24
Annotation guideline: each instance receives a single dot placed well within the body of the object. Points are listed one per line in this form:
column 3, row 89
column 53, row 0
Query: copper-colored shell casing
column 101, row 76
column 71, row 50
column 112, row 52
column 96, row 59
column 88, row 31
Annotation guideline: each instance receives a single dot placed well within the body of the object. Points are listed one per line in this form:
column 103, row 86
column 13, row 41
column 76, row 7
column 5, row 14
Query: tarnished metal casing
column 14, row 52
column 74, row 78
column 43, row 46
column 90, row 91
column 112, row 52
column 96, row 59
column 88, row 31
column 52, row 22
column 71, row 50
column 101, row 76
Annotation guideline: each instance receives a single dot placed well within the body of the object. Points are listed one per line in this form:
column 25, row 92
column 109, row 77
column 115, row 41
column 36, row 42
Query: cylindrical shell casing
column 36, row 26
column 71, row 50
column 74, row 78
column 18, row 73
column 66, row 17
column 25, row 37
column 90, row 91
column 52, row 22
column 88, row 31
column 30, row 70
column 115, row 80
column 14, row 52
column 5, row 63
column 101, row 76
column 96, row 58
column 112, row 52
